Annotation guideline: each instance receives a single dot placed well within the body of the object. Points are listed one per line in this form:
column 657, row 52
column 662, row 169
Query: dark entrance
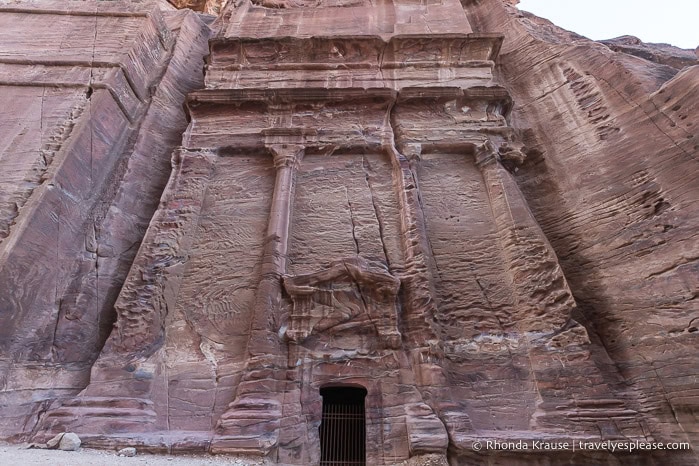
column 343, row 427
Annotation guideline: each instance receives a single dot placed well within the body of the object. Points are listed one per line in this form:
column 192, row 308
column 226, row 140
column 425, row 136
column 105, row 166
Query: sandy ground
column 18, row 455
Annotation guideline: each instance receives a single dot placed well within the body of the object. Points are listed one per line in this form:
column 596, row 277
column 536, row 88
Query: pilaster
column 252, row 422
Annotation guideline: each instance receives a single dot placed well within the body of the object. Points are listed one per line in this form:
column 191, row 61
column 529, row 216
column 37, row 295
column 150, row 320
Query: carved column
column 421, row 335
column 420, row 306
column 543, row 300
column 128, row 375
column 251, row 423
column 557, row 346
column 267, row 302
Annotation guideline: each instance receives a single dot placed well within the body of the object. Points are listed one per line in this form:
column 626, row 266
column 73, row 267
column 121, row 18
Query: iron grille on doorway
column 343, row 427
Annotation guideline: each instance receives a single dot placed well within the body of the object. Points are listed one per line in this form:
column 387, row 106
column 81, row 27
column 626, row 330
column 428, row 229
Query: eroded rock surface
column 663, row 54
column 484, row 221
column 206, row 6
column 91, row 95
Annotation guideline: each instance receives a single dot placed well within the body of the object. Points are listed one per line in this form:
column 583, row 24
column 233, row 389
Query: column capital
column 412, row 151
column 286, row 155
column 486, row 154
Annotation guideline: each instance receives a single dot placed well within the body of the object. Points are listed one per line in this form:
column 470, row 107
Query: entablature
column 462, row 60
column 347, row 120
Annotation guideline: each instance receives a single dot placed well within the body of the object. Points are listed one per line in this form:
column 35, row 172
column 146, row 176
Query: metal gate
column 343, row 427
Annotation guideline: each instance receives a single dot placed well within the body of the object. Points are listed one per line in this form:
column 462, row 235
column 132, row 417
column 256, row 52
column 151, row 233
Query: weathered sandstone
column 91, row 97
column 207, row 6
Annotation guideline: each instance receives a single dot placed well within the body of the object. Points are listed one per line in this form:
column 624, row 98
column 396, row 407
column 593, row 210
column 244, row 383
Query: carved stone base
column 426, row 432
column 249, row 426
column 98, row 415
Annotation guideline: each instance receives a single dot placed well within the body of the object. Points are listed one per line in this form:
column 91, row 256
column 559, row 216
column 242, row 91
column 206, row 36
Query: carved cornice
column 326, row 52
column 285, row 96
column 494, row 94
column 313, row 117
column 358, row 269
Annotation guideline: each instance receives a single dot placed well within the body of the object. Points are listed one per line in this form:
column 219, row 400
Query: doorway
column 343, row 427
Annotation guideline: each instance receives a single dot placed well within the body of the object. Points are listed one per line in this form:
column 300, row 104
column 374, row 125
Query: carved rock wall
column 612, row 181
column 90, row 94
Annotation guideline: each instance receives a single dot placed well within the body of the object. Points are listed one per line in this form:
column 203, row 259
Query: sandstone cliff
column 613, row 181
column 92, row 96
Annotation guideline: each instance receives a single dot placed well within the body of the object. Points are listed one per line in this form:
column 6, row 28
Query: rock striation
column 484, row 222
column 663, row 54
column 91, row 98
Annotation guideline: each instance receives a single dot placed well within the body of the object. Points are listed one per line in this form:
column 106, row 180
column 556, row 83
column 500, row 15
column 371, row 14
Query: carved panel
column 349, row 294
